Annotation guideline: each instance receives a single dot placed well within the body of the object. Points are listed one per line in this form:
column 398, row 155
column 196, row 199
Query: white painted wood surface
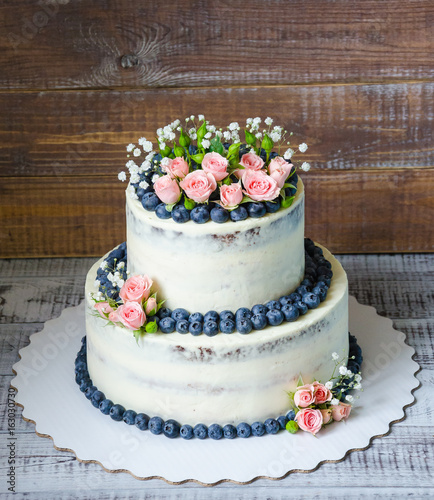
column 395, row 466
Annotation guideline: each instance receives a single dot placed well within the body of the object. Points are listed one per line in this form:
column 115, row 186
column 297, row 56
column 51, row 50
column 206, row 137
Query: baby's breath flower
column 227, row 135
column 143, row 184
column 206, row 144
column 268, row 120
column 129, row 164
column 334, row 402
column 155, row 178
column 160, row 132
column 145, row 166
column 257, row 120
column 208, row 135
column 96, row 283
column 343, row 370
column 211, row 128
column 132, row 193
column 275, row 136
column 357, row 377
column 200, row 117
column 150, row 156
column 233, row 126
column 165, row 162
column 98, row 296
column 147, row 146
column 176, row 123
column 130, row 147
column 288, row 154
column 258, row 135
column 329, row 384
column 133, row 169
column 357, row 387
column 305, row 166
column 192, row 117
column 349, row 398
column 350, row 373
column 122, row 176
column 219, row 134
column 249, row 121
column 137, row 152
column 103, row 264
column 141, row 141
column 162, row 145
column 134, row 178
column 335, row 356
column 303, row 147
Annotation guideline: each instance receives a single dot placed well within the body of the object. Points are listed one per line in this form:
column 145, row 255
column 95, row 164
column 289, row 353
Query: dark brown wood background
column 81, row 79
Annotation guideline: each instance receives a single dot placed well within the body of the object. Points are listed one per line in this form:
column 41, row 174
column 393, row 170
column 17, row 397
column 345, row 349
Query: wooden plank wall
column 79, row 80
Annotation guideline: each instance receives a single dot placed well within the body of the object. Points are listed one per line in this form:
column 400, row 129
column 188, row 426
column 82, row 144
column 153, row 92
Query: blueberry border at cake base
column 45, row 369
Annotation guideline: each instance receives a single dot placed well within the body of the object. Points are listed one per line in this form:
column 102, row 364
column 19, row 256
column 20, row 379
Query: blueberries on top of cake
column 202, row 173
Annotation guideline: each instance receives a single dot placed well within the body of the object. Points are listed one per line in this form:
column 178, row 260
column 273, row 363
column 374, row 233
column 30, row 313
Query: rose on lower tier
column 341, row 411
column 136, row 288
column 321, row 393
column 131, row 315
column 309, row 420
column 103, row 308
column 304, row 396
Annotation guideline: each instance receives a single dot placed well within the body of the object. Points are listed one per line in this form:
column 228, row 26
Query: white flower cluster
column 167, row 133
column 116, row 279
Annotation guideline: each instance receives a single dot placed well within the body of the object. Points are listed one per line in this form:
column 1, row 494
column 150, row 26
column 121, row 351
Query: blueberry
column 324, row 280
column 85, row 384
column 210, row 328
column 275, row 317
column 219, row 214
column 171, row 428
column 273, row 206
column 150, row 201
column 229, row 431
column 290, row 191
column 117, row 412
column 256, row 209
column 282, row 421
column 129, row 417
column 323, row 262
column 243, row 430
column 271, row 426
column 258, row 429
column 89, row 391
column 211, row 315
column 141, row 421
column 197, row 316
column 117, row 254
column 244, row 326
column 301, row 306
column 153, row 318
column 161, row 212
column 200, row 431
column 311, row 300
column 354, row 368
column 272, row 304
column 200, row 214
column 80, row 375
column 155, row 425
column 164, row 312
column 290, row 415
column 322, row 284
column 290, row 312
column 294, row 297
column 285, row 300
column 180, row 214
column 186, row 431
column 81, row 366
column 321, row 292
column 259, row 321
column 317, row 253
column 180, row 313
column 307, row 282
column 302, row 290
column 259, row 309
column 239, row 214
column 243, row 313
column 167, row 325
column 105, row 406
column 227, row 326
column 227, row 315
column 182, row 326
column 195, row 328
column 140, row 192
column 96, row 398
column 215, row 431
column 325, row 271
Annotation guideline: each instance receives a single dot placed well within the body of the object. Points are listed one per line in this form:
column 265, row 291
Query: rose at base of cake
column 223, row 379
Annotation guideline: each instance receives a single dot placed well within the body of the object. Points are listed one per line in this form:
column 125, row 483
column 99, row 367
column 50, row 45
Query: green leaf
column 184, row 139
column 288, row 185
column 197, row 158
column 189, row 204
column 287, row 202
column 201, row 131
column 227, row 180
column 216, row 145
column 246, row 199
column 159, row 304
column 169, row 208
column 292, row 427
column 234, row 149
column 267, row 143
column 151, row 327
column 300, row 381
column 250, row 138
column 166, row 151
column 137, row 335
column 179, row 151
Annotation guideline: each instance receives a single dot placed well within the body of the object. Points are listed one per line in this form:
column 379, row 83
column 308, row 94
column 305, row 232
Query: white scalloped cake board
column 51, row 398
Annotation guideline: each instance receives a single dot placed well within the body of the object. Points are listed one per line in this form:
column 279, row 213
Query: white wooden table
column 398, row 465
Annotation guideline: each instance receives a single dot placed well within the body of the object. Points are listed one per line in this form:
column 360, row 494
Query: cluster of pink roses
column 312, row 419
column 255, row 181
column 136, row 305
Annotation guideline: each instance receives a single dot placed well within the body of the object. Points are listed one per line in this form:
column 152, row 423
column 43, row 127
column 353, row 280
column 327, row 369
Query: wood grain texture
column 346, row 126
column 62, row 44
column 395, row 466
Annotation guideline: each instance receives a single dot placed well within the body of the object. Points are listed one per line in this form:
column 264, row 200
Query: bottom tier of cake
column 225, row 379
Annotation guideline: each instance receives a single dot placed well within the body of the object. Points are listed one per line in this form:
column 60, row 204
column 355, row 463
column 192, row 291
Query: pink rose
column 167, row 189
column 309, row 420
column 136, row 288
column 279, row 171
column 131, row 315
column 321, row 393
column 150, row 305
column 199, row 185
column 303, row 396
column 341, row 411
column 238, row 172
column 103, row 308
column 215, row 164
column 326, row 416
column 231, row 195
column 277, row 162
column 252, row 161
column 114, row 317
column 259, row 186
column 176, row 168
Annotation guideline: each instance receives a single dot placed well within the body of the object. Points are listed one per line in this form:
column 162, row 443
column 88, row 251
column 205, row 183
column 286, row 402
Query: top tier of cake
column 203, row 267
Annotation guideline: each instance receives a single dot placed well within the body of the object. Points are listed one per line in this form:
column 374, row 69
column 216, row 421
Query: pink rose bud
column 103, row 308
column 326, row 416
column 215, row 164
column 199, row 185
column 252, row 161
column 151, row 304
column 340, row 411
column 277, row 162
column 131, row 315
column 309, row 420
column 136, row 288
column 231, row 195
column 303, row 396
column 321, row 393
column 176, row 168
column 259, row 186
column 167, row 189
column 114, row 317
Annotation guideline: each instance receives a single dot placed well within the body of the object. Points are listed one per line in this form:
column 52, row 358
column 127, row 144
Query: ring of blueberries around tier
column 308, row 295
column 171, row 428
